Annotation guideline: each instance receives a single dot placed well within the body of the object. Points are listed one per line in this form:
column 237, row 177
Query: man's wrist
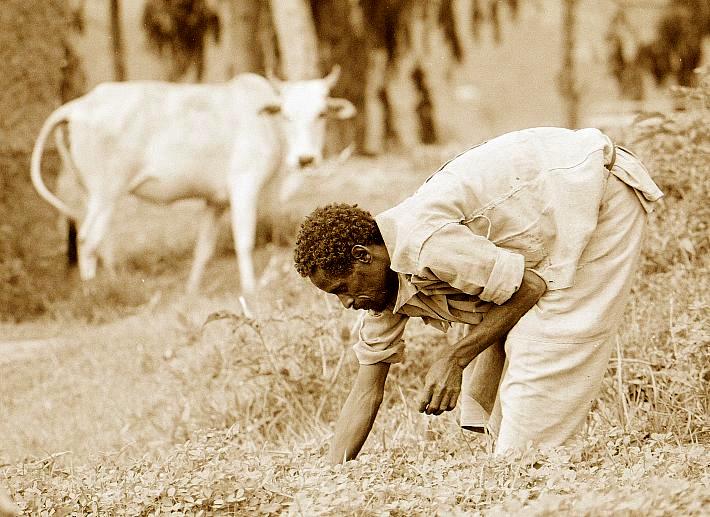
column 453, row 357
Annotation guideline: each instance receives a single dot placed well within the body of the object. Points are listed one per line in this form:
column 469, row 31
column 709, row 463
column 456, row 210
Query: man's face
column 369, row 286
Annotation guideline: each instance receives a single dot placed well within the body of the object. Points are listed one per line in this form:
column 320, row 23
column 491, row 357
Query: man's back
column 534, row 192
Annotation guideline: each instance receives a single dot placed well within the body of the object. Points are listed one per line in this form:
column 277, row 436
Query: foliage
column 271, row 386
column 214, row 474
column 676, row 146
column 31, row 53
column 674, row 53
column 26, row 243
column 385, row 19
column 181, row 27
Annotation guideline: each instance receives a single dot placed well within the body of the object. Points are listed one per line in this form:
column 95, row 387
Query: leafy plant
column 182, row 28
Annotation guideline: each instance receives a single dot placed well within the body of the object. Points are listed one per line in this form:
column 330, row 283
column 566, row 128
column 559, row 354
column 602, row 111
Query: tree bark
column 267, row 39
column 417, row 88
column 403, row 98
column 119, row 54
column 243, row 26
column 334, row 19
column 568, row 85
column 462, row 24
column 73, row 85
column 435, row 61
column 296, row 35
column 375, row 114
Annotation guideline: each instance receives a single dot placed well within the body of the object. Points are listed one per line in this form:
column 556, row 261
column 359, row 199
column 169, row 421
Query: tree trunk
column 375, row 114
column 200, row 64
column 296, row 35
column 403, row 98
column 119, row 55
column 461, row 10
column 266, row 34
column 334, row 19
column 417, row 87
column 243, row 26
column 73, row 85
column 568, row 85
column 435, row 60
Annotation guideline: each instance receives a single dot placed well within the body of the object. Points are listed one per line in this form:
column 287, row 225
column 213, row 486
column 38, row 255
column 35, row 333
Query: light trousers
column 539, row 386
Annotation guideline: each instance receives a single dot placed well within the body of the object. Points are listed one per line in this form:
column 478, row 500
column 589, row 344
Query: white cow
column 164, row 142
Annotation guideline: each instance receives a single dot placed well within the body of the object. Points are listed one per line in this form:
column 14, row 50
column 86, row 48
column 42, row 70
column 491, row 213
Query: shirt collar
column 405, row 292
column 391, row 224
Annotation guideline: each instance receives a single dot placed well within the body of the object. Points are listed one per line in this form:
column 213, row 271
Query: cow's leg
column 93, row 229
column 244, row 196
column 205, row 245
column 72, row 255
column 107, row 256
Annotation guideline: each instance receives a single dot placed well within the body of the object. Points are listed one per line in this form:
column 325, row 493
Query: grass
column 158, row 403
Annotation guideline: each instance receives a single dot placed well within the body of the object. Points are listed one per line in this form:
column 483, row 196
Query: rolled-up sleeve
column 472, row 264
column 380, row 338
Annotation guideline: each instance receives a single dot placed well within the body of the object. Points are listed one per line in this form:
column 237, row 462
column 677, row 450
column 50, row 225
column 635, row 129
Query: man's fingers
column 452, row 401
column 444, row 404
column 447, row 403
column 425, row 397
column 435, row 403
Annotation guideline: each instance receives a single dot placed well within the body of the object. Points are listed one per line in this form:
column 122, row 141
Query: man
column 531, row 240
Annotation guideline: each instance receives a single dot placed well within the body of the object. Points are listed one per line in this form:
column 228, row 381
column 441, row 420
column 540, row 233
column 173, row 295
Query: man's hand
column 442, row 387
column 443, row 382
column 359, row 412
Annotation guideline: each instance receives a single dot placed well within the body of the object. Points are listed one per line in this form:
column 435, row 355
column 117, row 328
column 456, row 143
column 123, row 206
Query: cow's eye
column 270, row 109
column 322, row 114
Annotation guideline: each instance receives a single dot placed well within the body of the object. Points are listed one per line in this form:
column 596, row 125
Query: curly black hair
column 326, row 237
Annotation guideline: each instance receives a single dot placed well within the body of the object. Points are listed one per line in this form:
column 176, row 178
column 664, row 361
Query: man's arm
column 443, row 381
column 359, row 412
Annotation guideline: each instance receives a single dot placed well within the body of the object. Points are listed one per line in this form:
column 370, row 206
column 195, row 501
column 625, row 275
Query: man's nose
column 346, row 300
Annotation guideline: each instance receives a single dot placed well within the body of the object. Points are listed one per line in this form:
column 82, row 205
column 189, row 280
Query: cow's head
column 303, row 109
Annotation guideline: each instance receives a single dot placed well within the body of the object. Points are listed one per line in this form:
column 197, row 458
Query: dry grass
column 187, row 406
column 163, row 412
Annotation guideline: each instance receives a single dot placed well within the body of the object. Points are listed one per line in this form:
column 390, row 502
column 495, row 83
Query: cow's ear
column 341, row 108
column 270, row 109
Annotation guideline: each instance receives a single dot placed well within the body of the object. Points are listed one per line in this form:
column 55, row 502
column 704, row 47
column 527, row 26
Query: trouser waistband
column 613, row 158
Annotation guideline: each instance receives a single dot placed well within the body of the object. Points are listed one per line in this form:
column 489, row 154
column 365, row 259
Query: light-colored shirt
column 526, row 199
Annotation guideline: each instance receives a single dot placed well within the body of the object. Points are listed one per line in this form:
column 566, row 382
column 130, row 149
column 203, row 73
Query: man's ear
column 361, row 253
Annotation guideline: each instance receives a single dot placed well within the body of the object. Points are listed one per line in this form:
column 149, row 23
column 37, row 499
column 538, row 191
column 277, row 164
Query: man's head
column 340, row 249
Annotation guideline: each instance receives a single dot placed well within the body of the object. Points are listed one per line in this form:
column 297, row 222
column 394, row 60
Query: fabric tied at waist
column 612, row 160
column 629, row 169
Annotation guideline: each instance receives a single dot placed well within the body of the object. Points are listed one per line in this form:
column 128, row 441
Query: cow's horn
column 333, row 76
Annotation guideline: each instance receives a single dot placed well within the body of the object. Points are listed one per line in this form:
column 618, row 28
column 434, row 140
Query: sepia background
column 116, row 396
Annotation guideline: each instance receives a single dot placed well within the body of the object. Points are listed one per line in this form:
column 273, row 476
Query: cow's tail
column 57, row 117
column 70, row 167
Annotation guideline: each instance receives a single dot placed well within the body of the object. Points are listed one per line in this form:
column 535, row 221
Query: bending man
column 530, row 240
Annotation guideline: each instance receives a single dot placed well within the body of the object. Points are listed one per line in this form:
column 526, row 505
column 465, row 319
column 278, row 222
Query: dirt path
column 16, row 350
